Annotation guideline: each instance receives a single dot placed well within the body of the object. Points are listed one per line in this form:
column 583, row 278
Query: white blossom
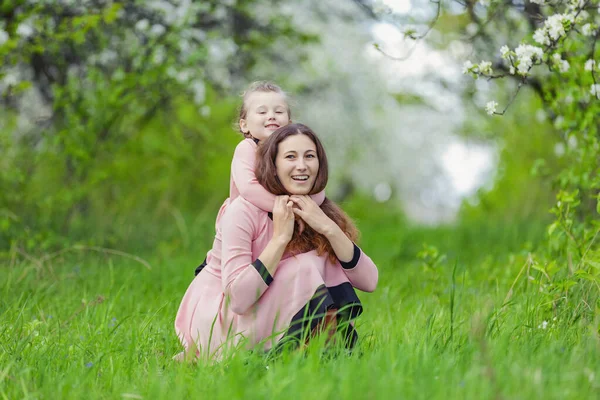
column 199, row 91
column 10, row 78
column 184, row 76
column 157, row 30
column 159, row 56
column 587, row 30
column 590, row 65
column 511, row 70
column 583, row 15
column 554, row 28
column 575, row 4
column 205, row 110
column 526, row 56
column 558, row 121
column 543, row 325
column 379, row 7
column 595, row 90
column 485, row 67
column 562, row 65
column 540, row 36
column 467, row 67
column 3, row 37
column 142, row 25
column 24, row 30
column 504, row 52
column 490, row 107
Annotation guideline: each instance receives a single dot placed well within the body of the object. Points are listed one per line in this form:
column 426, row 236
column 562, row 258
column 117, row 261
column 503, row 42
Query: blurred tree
column 549, row 46
column 99, row 95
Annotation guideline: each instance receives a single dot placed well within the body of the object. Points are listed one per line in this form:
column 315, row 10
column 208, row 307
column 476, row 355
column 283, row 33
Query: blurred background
column 117, row 124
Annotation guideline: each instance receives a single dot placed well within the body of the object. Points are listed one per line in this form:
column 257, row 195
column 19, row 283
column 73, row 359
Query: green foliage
column 117, row 121
column 559, row 62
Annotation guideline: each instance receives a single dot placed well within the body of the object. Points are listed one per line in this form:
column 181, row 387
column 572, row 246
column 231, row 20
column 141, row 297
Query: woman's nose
column 300, row 165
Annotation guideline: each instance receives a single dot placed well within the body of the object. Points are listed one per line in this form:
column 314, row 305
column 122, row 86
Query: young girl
column 264, row 109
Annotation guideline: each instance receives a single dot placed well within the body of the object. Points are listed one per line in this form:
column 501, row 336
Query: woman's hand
column 312, row 214
column 283, row 219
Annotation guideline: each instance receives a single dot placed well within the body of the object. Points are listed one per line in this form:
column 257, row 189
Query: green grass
column 95, row 325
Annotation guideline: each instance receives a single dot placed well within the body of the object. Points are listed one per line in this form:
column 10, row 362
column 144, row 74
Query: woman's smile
column 297, row 164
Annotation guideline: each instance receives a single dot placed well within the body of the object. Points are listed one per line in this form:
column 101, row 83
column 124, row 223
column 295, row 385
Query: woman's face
column 297, row 164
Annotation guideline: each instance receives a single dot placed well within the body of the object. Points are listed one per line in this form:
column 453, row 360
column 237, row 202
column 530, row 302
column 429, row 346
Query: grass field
column 96, row 325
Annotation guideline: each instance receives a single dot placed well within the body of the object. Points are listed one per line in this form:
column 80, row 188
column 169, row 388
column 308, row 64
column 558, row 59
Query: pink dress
column 235, row 301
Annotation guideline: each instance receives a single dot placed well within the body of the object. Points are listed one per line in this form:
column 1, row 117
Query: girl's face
column 297, row 164
column 265, row 113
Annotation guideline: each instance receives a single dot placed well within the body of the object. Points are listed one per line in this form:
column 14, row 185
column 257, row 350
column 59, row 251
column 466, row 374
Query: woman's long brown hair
column 266, row 174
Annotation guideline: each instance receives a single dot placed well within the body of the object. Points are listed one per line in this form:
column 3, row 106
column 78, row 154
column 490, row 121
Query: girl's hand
column 283, row 219
column 312, row 214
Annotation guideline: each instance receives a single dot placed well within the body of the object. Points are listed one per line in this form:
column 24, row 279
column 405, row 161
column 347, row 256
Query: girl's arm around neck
column 244, row 178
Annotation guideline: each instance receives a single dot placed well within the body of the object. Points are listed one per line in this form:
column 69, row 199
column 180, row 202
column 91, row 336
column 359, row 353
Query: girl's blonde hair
column 259, row 86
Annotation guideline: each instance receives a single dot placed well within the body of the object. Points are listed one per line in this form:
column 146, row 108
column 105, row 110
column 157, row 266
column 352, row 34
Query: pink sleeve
column 244, row 280
column 244, row 178
column 361, row 271
column 319, row 198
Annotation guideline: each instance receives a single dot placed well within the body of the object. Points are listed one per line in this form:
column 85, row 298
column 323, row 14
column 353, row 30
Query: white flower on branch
column 554, row 28
column 485, row 67
column 504, row 52
column 527, row 55
column 467, row 66
column 511, row 70
column 562, row 65
column 595, row 90
column 588, row 30
column 590, row 65
column 577, row 4
column 555, row 25
column 540, row 36
column 490, row 107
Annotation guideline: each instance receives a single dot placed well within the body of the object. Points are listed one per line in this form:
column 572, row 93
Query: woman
column 271, row 283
